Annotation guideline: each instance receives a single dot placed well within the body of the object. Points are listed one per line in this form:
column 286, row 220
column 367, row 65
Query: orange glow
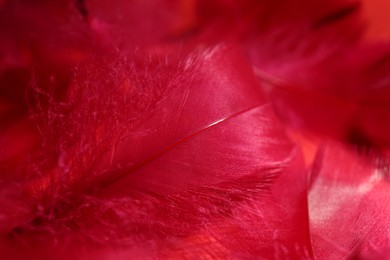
column 377, row 12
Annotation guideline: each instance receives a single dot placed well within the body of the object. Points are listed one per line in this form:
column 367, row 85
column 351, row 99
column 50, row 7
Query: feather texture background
column 193, row 130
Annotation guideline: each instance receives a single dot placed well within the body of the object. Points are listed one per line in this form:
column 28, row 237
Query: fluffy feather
column 321, row 73
column 127, row 130
column 154, row 160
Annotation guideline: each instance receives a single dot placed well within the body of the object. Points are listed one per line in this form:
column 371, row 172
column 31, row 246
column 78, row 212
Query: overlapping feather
column 144, row 129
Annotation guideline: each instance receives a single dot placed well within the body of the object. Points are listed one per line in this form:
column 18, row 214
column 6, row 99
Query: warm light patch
column 377, row 12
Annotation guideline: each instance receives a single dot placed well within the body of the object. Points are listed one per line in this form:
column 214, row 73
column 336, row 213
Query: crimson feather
column 153, row 160
column 322, row 74
column 138, row 129
column 348, row 203
column 345, row 96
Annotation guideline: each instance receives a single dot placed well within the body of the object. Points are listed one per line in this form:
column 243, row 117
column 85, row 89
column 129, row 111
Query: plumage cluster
column 194, row 129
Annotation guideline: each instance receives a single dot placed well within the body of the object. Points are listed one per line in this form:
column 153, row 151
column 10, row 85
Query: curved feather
column 348, row 203
column 149, row 153
column 345, row 96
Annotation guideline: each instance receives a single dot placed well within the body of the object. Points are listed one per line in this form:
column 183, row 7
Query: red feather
column 155, row 159
column 323, row 75
column 346, row 96
column 138, row 129
column 348, row 203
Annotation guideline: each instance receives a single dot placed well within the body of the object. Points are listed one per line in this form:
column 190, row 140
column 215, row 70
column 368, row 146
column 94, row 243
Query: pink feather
column 348, row 203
